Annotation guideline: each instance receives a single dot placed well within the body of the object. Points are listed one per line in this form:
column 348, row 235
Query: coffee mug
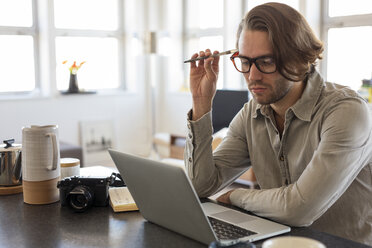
column 292, row 242
column 40, row 164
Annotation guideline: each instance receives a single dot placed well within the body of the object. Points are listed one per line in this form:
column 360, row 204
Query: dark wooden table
column 24, row 225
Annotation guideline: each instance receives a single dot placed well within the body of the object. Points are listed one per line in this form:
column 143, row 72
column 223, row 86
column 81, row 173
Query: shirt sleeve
column 345, row 148
column 212, row 171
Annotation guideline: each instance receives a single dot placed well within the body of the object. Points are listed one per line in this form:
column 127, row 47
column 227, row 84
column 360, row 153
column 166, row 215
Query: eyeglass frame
column 251, row 62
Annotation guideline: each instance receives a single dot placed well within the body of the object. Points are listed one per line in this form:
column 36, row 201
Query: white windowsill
column 98, row 93
column 38, row 96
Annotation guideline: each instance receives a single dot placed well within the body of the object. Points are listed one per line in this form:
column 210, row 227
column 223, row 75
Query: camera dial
column 80, row 198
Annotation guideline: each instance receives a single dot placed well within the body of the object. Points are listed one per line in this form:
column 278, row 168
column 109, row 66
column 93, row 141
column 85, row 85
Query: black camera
column 82, row 192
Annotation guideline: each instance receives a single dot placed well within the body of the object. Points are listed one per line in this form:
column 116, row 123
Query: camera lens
column 80, row 198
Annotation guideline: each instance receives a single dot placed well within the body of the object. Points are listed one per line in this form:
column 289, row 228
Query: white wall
column 126, row 110
column 170, row 108
column 133, row 114
column 173, row 113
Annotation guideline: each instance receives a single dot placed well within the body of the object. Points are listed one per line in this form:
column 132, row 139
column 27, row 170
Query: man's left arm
column 345, row 148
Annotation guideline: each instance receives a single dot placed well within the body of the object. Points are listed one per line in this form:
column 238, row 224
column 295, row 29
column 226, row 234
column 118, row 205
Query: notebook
column 121, row 200
column 165, row 196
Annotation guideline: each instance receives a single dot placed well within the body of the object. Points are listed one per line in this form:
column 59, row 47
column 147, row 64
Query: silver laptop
column 165, row 196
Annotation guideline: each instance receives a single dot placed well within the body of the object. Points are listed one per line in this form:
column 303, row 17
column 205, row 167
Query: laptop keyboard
column 226, row 230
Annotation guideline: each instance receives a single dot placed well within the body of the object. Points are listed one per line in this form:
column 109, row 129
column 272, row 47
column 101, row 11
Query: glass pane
column 16, row 13
column 204, row 14
column 17, row 71
column 347, row 7
column 86, row 14
column 165, row 46
column 293, row 3
column 101, row 68
column 134, row 64
column 200, row 44
column 130, row 16
column 349, row 59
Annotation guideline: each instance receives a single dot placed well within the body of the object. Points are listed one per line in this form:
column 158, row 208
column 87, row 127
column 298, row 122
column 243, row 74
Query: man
column 309, row 142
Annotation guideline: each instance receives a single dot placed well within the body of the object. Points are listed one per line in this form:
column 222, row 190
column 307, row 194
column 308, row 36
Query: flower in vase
column 74, row 68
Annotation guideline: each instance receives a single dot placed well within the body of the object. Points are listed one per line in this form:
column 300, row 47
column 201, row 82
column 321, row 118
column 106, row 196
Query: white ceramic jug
column 40, row 164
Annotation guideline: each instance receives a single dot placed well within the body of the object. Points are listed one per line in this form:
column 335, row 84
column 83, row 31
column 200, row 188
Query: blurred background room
column 110, row 73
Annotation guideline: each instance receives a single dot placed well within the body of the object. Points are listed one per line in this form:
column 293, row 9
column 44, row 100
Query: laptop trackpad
column 233, row 216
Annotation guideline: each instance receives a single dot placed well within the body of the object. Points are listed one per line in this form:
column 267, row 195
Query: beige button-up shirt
column 318, row 173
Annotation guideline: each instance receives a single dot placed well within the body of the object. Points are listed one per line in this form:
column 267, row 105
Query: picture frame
column 97, row 136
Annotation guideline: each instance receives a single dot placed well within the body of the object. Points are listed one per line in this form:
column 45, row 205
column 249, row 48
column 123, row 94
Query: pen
column 213, row 55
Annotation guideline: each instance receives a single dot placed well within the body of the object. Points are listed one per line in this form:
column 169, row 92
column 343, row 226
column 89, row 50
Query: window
column 92, row 35
column 348, row 38
column 216, row 29
column 101, row 70
column 293, row 3
column 17, row 35
column 14, row 16
column 347, row 8
column 37, row 36
column 86, row 14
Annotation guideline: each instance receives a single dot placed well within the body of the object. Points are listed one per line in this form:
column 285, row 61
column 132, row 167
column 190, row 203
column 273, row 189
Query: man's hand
column 203, row 83
column 225, row 198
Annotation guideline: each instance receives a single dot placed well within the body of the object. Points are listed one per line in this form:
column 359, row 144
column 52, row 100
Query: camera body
column 82, row 192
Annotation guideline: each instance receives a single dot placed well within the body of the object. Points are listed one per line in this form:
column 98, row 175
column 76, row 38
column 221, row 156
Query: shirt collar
column 304, row 107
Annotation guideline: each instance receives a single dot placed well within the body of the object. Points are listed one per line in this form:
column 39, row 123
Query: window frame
column 118, row 34
column 33, row 32
column 225, row 32
column 338, row 22
column 44, row 34
column 192, row 33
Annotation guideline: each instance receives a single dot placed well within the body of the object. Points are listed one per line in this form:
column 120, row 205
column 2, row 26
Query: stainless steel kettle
column 10, row 163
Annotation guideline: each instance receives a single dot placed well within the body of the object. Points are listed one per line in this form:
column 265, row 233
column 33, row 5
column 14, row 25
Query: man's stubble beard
column 281, row 88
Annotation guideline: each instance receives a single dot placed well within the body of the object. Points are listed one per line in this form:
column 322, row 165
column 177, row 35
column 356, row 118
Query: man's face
column 265, row 88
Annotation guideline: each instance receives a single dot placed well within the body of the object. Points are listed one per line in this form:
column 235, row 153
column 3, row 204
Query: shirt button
column 190, row 136
column 190, row 160
column 281, row 158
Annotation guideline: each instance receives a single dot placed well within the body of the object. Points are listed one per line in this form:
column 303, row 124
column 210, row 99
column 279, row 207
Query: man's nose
column 254, row 74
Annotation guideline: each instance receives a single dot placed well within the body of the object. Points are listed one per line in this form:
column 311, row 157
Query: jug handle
column 55, row 150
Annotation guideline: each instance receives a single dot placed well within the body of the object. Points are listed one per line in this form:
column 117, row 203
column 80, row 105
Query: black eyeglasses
column 265, row 64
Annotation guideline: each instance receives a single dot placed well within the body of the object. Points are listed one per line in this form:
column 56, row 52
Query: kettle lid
column 9, row 146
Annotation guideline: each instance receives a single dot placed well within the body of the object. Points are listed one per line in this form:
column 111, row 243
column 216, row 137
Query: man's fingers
column 201, row 62
column 206, row 63
column 216, row 59
column 225, row 198
column 193, row 63
column 210, row 61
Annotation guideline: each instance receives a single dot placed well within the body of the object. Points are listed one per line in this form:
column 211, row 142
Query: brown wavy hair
column 295, row 46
